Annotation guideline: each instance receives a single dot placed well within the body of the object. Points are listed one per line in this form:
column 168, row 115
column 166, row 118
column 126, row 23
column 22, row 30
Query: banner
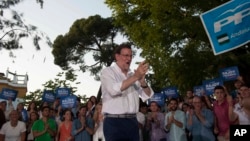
column 199, row 90
column 8, row 94
column 159, row 98
column 68, row 102
column 227, row 26
column 170, row 92
column 209, row 85
column 62, row 92
column 230, row 73
column 48, row 96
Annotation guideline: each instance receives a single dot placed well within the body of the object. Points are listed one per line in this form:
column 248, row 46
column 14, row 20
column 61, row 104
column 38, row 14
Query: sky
column 55, row 18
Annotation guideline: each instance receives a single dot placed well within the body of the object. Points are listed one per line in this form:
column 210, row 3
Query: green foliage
column 87, row 37
column 173, row 40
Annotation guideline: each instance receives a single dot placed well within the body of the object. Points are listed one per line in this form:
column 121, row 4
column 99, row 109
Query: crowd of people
column 121, row 116
column 49, row 122
column 198, row 118
column 195, row 118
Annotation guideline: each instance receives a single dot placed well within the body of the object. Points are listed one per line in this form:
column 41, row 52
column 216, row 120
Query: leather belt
column 120, row 115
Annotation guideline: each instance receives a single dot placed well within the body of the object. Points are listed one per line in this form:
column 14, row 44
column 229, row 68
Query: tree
column 13, row 29
column 93, row 36
column 174, row 42
column 63, row 80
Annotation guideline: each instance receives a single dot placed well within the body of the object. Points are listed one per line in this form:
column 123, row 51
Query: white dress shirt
column 116, row 101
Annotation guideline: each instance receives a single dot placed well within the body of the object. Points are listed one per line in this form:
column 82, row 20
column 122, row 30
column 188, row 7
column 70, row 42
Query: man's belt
column 120, row 115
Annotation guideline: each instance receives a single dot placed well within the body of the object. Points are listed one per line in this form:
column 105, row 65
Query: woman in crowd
column 32, row 118
column 90, row 105
column 65, row 127
column 98, row 120
column 13, row 130
column 32, row 108
column 22, row 112
column 155, row 123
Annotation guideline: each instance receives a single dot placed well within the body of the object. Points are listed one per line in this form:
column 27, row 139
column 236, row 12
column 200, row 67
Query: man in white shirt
column 121, row 90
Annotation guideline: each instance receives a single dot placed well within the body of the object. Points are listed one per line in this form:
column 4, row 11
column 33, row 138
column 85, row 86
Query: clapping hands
column 141, row 71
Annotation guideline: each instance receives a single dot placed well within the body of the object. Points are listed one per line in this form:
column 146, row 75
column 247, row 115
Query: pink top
column 221, row 114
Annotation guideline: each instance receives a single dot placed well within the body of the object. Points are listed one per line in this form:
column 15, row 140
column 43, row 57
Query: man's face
column 46, row 112
column 219, row 94
column 189, row 93
column 124, row 59
column 3, row 106
column 144, row 110
column 173, row 105
column 244, row 92
column 197, row 103
column 14, row 115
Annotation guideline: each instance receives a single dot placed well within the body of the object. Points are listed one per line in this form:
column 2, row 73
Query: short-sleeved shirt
column 13, row 133
column 39, row 126
column 221, row 114
column 175, row 132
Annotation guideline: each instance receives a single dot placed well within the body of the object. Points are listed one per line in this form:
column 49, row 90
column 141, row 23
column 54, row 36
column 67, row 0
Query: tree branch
column 11, row 31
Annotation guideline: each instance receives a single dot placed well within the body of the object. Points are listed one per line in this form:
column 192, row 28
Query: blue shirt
column 175, row 132
column 200, row 131
column 83, row 135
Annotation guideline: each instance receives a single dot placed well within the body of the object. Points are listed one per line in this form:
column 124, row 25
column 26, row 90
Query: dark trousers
column 121, row 129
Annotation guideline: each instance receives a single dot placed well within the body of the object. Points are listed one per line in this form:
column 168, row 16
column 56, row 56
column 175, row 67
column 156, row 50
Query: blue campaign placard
column 68, row 102
column 170, row 92
column 209, row 85
column 199, row 90
column 159, row 98
column 230, row 73
column 62, row 92
column 48, row 96
column 227, row 26
column 8, row 94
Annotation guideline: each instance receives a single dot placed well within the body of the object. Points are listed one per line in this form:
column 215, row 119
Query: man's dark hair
column 173, row 99
column 218, row 88
column 45, row 107
column 120, row 47
column 4, row 102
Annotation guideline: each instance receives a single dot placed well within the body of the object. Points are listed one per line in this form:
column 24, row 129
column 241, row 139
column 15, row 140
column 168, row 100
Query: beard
column 174, row 108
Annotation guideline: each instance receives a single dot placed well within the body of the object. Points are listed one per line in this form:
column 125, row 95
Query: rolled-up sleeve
column 109, row 82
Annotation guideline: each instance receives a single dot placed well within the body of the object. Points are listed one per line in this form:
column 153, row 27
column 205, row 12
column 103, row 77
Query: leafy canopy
column 87, row 37
column 173, row 40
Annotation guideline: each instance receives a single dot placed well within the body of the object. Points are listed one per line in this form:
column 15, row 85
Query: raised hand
column 141, row 70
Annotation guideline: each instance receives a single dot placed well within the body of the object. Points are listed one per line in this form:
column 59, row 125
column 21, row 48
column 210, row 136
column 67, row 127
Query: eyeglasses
column 126, row 55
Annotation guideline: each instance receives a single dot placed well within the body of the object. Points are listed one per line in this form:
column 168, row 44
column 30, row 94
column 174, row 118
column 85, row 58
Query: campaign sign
column 239, row 132
column 8, row 94
column 198, row 90
column 230, row 73
column 48, row 96
column 159, row 98
column 227, row 26
column 170, row 92
column 62, row 92
column 68, row 102
column 209, row 85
